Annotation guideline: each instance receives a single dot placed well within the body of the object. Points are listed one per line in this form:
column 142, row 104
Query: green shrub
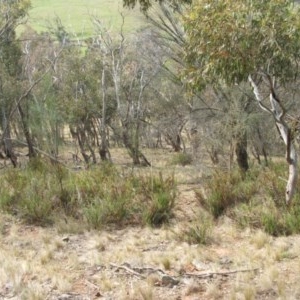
column 274, row 184
column 113, row 208
column 158, row 199
column 39, row 165
column 182, row 159
column 35, row 205
column 98, row 196
column 6, row 200
column 255, row 200
column 264, row 213
column 36, row 210
column 224, row 190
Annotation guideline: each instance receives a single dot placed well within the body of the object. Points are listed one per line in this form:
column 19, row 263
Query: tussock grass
column 182, row 159
column 224, row 190
column 43, row 193
column 255, row 200
column 199, row 231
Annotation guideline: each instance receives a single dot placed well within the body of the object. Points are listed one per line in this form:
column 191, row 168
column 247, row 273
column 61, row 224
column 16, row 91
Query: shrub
column 98, row 196
column 225, row 189
column 5, row 199
column 182, row 159
column 36, row 210
column 158, row 199
column 112, row 208
column 255, row 200
column 267, row 209
column 274, row 184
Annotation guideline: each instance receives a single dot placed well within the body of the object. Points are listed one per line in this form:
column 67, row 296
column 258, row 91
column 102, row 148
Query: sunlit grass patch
column 77, row 20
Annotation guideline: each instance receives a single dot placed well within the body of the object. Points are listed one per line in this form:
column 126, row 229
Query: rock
column 168, row 281
column 66, row 239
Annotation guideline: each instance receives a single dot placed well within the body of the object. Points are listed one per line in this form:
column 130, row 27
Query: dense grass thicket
column 96, row 197
column 43, row 193
column 255, row 200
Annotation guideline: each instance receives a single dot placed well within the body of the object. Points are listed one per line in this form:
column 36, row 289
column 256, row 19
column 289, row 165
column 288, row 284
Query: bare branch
column 258, row 96
column 223, row 273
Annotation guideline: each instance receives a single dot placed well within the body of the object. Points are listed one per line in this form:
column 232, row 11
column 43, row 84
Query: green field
column 76, row 15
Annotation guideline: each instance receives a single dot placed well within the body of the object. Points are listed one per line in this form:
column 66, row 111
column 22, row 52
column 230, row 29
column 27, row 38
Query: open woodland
column 149, row 151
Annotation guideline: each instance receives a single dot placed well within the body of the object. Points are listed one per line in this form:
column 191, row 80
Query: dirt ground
column 68, row 262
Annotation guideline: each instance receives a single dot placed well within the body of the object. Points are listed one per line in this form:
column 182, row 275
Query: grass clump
column 112, row 208
column 95, row 197
column 27, row 193
column 158, row 199
column 255, row 200
column 225, row 189
column 182, row 159
column 200, row 231
column 272, row 219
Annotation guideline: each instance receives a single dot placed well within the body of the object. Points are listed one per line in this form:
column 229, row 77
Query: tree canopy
column 231, row 40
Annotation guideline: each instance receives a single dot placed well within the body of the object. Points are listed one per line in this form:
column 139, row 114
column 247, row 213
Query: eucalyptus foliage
column 230, row 40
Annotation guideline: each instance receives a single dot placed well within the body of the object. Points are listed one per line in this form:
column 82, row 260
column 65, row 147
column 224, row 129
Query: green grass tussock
column 98, row 196
column 199, row 231
column 182, row 159
column 226, row 189
column 255, row 200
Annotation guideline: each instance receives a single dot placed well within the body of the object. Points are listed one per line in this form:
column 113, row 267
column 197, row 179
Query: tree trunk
column 241, row 152
column 31, row 151
column 292, row 160
column 137, row 156
column 278, row 112
column 174, row 141
column 8, row 148
column 103, row 151
column 76, row 134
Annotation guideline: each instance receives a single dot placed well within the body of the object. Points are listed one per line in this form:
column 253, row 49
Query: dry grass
column 34, row 257
column 66, row 259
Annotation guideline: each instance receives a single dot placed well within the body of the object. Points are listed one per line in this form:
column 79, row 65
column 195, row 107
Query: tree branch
column 224, row 273
column 258, row 96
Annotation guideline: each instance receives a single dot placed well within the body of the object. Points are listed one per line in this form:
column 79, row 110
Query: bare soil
column 67, row 261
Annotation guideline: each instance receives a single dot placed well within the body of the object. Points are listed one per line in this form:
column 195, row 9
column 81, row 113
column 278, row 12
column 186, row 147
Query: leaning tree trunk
column 278, row 112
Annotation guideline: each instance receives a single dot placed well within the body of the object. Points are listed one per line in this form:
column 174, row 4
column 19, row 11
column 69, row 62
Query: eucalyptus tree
column 170, row 112
column 41, row 112
column 255, row 41
column 12, row 13
column 129, row 76
column 191, row 110
column 80, row 98
column 251, row 30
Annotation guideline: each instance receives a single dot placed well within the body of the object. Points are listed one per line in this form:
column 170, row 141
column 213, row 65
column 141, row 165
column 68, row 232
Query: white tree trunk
column 278, row 112
column 292, row 160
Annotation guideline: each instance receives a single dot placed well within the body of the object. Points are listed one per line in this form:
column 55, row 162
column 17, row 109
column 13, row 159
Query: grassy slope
column 68, row 262
column 76, row 15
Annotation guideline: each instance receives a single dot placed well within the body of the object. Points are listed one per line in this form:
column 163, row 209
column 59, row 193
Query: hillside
column 76, row 15
column 68, row 262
